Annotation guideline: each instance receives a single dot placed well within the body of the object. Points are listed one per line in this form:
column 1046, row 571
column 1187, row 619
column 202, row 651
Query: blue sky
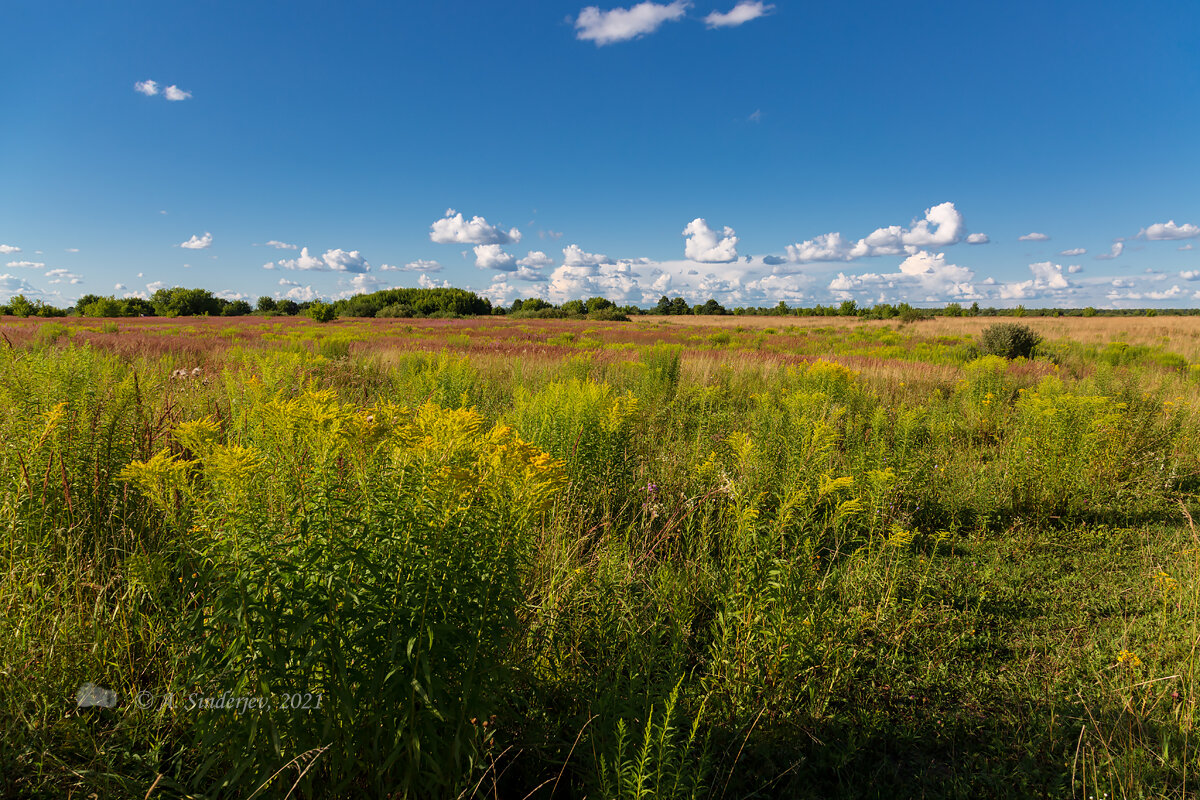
column 748, row 151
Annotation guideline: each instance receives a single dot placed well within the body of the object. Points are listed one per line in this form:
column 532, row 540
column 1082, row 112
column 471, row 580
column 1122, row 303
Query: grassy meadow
column 703, row 557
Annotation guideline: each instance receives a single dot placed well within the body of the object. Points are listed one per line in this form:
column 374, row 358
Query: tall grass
column 676, row 575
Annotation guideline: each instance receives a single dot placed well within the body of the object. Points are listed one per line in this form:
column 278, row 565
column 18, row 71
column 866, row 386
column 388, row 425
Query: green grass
column 599, row 577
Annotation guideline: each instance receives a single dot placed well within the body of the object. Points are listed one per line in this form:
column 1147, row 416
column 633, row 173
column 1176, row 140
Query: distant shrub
column 322, row 312
column 608, row 315
column 1009, row 340
column 51, row 332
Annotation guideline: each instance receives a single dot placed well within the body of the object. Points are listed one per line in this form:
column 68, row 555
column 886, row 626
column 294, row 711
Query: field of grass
column 674, row 557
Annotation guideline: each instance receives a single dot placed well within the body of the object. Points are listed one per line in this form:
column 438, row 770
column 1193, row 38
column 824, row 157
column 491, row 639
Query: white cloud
column 63, row 276
column 280, row 245
column 198, row 242
column 119, row 287
column 978, row 238
column 528, row 274
column 1074, row 251
column 362, row 284
column 72, row 249
column 420, row 265
column 341, row 261
column 536, row 259
column 1169, row 230
column 549, row 234
column 1117, row 249
column 148, row 88
column 1033, row 237
column 301, row 294
column 173, row 92
column 574, row 256
column 27, row 264
column 1048, row 275
column 1190, row 275
column 1074, row 269
column 1185, row 247
column 288, row 282
column 426, row 282
column 703, row 244
column 5, row 249
column 12, row 284
column 923, row 276
column 453, row 228
column 154, row 286
column 942, row 226
column 491, row 256
column 304, row 262
column 744, row 11
column 623, row 24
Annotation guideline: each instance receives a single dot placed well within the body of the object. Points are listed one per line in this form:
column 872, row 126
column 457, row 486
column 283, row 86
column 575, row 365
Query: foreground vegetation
column 650, row 560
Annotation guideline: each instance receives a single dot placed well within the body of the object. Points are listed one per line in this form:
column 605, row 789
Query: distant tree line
column 180, row 302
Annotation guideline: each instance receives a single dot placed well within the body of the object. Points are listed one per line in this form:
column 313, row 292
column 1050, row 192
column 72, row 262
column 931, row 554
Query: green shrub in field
column 662, row 364
column 322, row 312
column 591, row 428
column 1009, row 339
column 367, row 561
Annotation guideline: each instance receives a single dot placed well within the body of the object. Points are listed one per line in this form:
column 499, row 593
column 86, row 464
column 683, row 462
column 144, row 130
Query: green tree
column 322, row 312
column 20, row 306
column 265, row 303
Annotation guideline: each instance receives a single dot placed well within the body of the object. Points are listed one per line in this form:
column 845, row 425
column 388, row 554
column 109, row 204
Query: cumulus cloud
column 288, row 282
column 1169, row 230
column 280, row 245
column 336, row 260
column 924, row 276
column 5, row 249
column 27, row 264
column 617, row 282
column 1074, row 251
column 707, row 246
column 743, row 12
column 978, row 238
column 303, row 262
column 1185, row 247
column 942, row 225
column 1190, row 274
column 454, row 229
column 154, row 286
column 491, row 256
column 536, row 259
column 575, row 256
column 420, row 265
column 1033, row 237
column 12, row 284
column 1117, row 249
column 198, row 242
column 119, row 287
column 148, row 88
column 426, row 282
column 1074, row 269
column 63, row 276
column 173, row 92
column 623, row 24
column 1048, row 275
column 301, row 294
column 341, row 261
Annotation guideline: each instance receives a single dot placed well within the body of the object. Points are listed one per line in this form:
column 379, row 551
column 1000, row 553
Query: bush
column 322, row 312
column 1010, row 340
